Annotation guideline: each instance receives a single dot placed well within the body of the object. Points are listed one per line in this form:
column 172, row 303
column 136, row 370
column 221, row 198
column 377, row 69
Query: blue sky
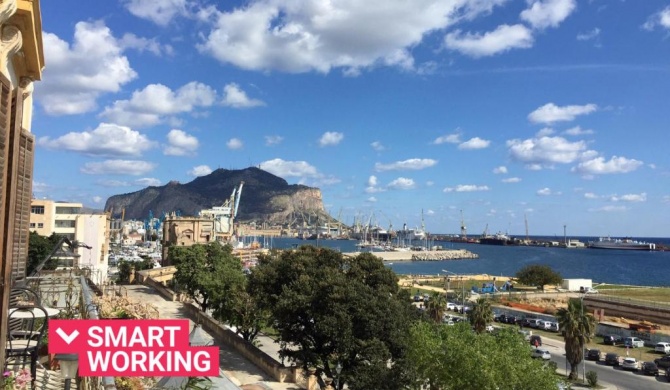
column 556, row 111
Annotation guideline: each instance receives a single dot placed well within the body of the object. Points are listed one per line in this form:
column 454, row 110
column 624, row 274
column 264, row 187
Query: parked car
column 662, row 347
column 663, row 362
column 612, row 359
column 546, row 325
column 633, row 342
column 540, row 354
column 451, row 306
column 588, row 290
column 593, row 354
column 649, row 368
column 554, row 327
column 513, row 319
column 535, row 340
column 612, row 340
column 630, row 363
column 500, row 318
column 535, row 323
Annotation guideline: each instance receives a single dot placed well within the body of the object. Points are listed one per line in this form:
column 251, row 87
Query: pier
column 455, row 254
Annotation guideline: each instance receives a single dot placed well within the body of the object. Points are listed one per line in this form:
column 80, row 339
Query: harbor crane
column 464, row 230
column 225, row 214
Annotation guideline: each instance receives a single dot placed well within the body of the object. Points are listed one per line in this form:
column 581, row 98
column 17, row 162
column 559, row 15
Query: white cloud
column 200, row 170
column 155, row 102
column 511, row 180
column 97, row 199
column 466, row 188
column 550, row 113
column 106, row 140
column 40, row 187
column 598, row 166
column 113, row 183
column 271, row 140
column 546, row 151
column 590, row 195
column 500, row 40
column 500, row 170
column 318, row 36
column 609, row 209
column 406, row 165
column 234, row 144
column 180, row 144
column 330, row 138
column 132, row 41
column 147, row 181
column 286, row 169
column 376, row 145
column 474, row 143
column 547, row 13
column 589, row 35
column 372, row 199
column 160, row 12
column 544, row 132
column 373, row 185
column 118, row 167
column 544, row 192
column 402, row 183
column 234, row 97
column 78, row 74
column 430, row 212
column 576, row 131
column 430, row 183
column 633, row 198
column 449, row 138
column 660, row 19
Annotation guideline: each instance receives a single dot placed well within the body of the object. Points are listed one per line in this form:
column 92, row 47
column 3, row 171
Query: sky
column 550, row 114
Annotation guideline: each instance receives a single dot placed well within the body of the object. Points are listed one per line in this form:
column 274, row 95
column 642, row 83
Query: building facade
column 21, row 64
column 48, row 217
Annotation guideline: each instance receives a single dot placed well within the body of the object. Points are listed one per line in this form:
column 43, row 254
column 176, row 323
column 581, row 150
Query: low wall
column 634, row 310
column 226, row 336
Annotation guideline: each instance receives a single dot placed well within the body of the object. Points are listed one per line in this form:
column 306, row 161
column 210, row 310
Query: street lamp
column 338, row 370
column 69, row 364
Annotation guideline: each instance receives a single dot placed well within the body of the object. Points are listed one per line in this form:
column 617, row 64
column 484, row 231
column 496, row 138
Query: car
column 593, row 354
column 535, row 323
column 540, row 354
column 588, row 290
column 500, row 318
column 662, row 347
column 649, row 368
column 546, row 325
column 663, row 362
column 513, row 319
column 630, row 363
column 633, row 342
column 535, row 340
column 451, row 306
column 612, row 340
column 554, row 327
column 612, row 359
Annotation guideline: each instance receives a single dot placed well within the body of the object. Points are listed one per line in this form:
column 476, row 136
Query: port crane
column 225, row 214
column 464, row 230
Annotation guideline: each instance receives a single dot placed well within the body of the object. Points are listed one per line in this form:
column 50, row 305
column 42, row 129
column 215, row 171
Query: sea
column 642, row 268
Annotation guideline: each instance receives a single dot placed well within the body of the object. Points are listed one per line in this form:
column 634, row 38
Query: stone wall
column 634, row 310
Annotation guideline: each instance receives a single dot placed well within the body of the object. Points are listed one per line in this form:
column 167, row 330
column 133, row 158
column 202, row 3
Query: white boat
column 621, row 243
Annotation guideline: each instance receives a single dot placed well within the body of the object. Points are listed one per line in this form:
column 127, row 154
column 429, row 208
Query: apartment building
column 90, row 230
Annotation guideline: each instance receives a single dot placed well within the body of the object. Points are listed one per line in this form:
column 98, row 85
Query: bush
column 592, row 378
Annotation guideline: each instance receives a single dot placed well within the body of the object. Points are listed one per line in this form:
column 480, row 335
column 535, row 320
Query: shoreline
column 450, row 254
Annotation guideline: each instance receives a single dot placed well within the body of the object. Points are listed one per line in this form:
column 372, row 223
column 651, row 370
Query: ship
column 498, row 239
column 621, row 243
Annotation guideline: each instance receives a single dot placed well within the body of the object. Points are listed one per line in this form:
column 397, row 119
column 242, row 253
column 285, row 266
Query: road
column 622, row 380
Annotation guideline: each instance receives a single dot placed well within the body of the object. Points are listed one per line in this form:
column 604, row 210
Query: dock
column 455, row 254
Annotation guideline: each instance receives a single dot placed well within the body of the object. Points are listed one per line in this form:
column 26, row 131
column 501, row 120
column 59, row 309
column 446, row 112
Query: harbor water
column 602, row 266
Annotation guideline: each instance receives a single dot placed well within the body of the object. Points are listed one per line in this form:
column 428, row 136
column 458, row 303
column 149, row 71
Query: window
column 60, row 223
column 32, row 225
column 37, row 209
column 40, row 225
column 67, row 210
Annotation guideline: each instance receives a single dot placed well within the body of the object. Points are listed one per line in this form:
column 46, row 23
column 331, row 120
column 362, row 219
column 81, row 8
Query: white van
column 546, row 325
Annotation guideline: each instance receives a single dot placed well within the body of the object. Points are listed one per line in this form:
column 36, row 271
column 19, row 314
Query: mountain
column 265, row 198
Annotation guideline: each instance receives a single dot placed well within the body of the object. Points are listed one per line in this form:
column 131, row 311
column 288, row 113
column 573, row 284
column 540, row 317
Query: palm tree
column 481, row 314
column 578, row 328
column 436, row 307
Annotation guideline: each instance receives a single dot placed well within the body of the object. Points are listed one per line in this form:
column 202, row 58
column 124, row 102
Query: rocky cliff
column 265, row 198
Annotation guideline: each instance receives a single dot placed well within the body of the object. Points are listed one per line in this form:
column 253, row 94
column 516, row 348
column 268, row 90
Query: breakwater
column 455, row 254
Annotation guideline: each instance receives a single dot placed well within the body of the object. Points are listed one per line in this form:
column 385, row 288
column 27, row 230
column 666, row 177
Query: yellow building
column 48, row 217
column 21, row 64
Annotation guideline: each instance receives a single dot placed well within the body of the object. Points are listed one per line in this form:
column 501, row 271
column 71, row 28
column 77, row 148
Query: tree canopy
column 206, row 271
column 481, row 314
column 455, row 357
column 329, row 309
column 578, row 327
column 538, row 275
column 39, row 247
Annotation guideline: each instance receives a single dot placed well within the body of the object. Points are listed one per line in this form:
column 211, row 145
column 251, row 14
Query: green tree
column 39, row 247
column 329, row 309
column 437, row 305
column 454, row 357
column 126, row 267
column 538, row 275
column 578, row 327
column 238, row 308
column 481, row 314
column 206, row 271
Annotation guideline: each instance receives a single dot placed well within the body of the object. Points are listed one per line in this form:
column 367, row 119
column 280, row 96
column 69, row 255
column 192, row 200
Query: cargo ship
column 621, row 243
